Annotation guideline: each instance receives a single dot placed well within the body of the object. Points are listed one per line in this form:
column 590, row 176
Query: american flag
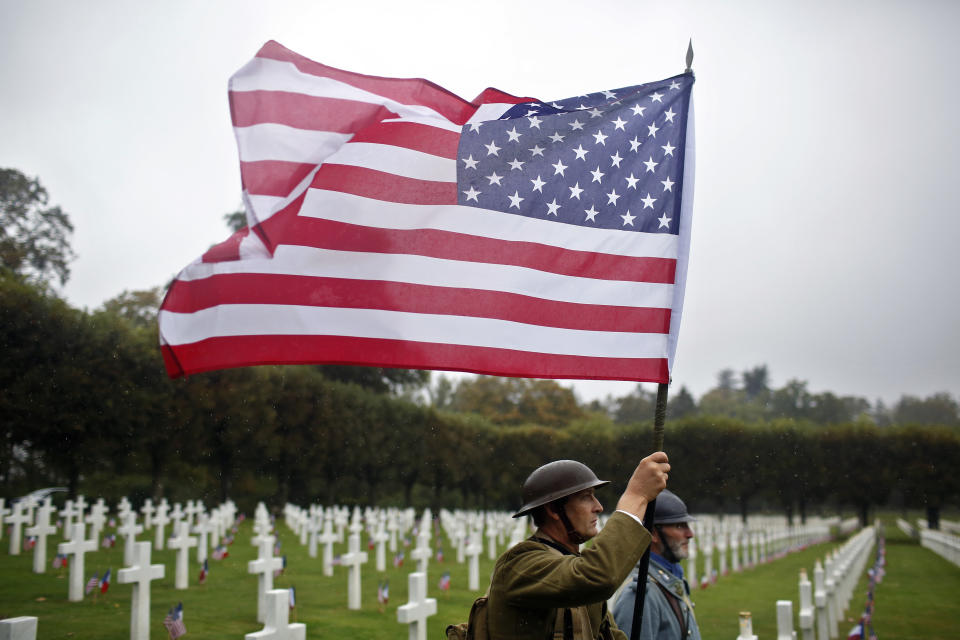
column 92, row 584
column 398, row 559
column 283, row 567
column 383, row 592
column 444, row 583
column 392, row 223
column 174, row 622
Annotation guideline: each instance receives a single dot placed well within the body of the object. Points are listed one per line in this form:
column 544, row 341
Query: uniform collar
column 672, row 567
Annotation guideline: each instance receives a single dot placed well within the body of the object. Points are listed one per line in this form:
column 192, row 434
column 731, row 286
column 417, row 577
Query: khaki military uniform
column 532, row 581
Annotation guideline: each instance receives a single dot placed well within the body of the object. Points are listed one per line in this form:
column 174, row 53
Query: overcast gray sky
column 826, row 207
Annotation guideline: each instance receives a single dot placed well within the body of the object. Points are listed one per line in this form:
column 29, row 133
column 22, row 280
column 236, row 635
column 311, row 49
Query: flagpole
column 659, row 418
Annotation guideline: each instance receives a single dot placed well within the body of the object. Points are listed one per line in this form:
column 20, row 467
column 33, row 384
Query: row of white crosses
column 760, row 539
column 822, row 605
column 944, row 543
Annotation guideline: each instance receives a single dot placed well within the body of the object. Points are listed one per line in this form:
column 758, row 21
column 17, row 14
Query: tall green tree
column 515, row 401
column 34, row 237
column 937, row 409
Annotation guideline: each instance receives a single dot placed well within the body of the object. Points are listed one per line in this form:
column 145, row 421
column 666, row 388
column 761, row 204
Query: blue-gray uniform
column 660, row 620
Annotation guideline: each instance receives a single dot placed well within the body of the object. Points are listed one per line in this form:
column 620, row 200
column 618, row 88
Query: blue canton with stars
column 612, row 160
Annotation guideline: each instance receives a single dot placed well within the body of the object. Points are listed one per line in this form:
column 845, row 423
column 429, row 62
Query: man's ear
column 655, row 535
column 551, row 511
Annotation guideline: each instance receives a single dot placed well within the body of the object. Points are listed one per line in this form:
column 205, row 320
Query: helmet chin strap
column 668, row 553
column 572, row 535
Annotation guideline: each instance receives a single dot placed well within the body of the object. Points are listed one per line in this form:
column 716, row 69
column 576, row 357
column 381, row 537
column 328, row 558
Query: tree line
column 85, row 402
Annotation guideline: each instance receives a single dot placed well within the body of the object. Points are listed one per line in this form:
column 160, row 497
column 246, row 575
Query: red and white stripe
column 360, row 255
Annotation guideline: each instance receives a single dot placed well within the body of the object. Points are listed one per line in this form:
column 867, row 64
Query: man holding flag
column 544, row 584
column 391, row 223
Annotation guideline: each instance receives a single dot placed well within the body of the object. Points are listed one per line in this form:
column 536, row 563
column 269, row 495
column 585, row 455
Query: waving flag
column 444, row 583
column 174, row 622
column 92, row 583
column 392, row 223
column 204, row 572
column 383, row 592
column 105, row 582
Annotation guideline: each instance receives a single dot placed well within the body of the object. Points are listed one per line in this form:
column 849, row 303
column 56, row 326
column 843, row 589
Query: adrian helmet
column 670, row 509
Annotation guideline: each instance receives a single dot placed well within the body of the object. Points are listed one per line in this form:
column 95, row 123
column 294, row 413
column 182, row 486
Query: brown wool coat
column 531, row 580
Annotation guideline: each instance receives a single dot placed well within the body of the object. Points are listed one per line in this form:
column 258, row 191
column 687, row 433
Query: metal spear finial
column 689, row 57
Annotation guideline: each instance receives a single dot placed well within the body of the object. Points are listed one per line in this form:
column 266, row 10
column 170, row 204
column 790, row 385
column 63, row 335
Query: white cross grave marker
column 191, row 510
column 80, row 504
column 203, row 529
column 264, row 566
column 160, row 523
column 123, row 507
column 17, row 519
column 313, row 527
column 176, row 516
column 491, row 541
column 277, row 625
column 353, row 559
column 22, row 628
column 380, row 538
column 41, row 530
column 418, row 609
column 392, row 527
column 129, row 530
column 328, row 537
column 96, row 518
column 422, row 552
column 76, row 548
column 67, row 514
column 473, row 554
column 148, row 510
column 140, row 575
column 182, row 542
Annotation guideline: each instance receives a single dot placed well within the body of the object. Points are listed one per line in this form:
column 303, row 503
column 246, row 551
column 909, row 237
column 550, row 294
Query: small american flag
column 445, row 581
column 398, row 559
column 440, row 555
column 29, row 543
column 383, row 592
column 59, row 561
column 92, row 583
column 174, row 622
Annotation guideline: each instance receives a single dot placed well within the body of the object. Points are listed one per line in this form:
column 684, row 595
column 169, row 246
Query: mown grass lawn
column 916, row 600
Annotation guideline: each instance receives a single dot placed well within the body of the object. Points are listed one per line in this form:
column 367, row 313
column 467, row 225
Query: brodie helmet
column 556, row 480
